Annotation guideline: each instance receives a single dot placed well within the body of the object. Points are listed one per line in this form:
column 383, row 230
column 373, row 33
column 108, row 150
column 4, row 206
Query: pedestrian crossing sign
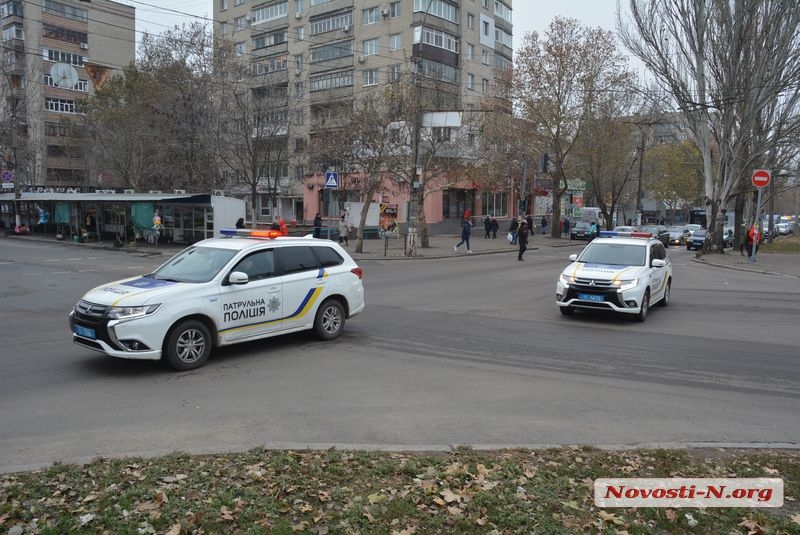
column 332, row 180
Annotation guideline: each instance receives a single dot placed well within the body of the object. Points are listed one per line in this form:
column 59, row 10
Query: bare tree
column 558, row 82
column 733, row 69
column 257, row 111
column 675, row 171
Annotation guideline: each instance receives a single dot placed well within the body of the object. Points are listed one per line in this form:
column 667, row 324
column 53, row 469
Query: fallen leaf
column 572, row 504
column 795, row 518
column 450, row 496
column 610, row 517
column 771, row 471
column 85, row 519
column 671, row 515
column 455, row 511
column 175, row 529
column 376, row 498
column 753, row 527
column 300, row 527
column 482, row 521
column 530, row 472
column 438, row 501
column 90, row 498
column 225, row 514
column 148, row 506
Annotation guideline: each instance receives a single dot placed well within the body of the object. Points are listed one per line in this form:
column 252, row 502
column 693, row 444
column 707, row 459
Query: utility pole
column 639, row 209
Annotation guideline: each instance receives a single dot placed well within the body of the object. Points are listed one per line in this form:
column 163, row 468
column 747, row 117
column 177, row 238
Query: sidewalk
column 441, row 246
column 768, row 263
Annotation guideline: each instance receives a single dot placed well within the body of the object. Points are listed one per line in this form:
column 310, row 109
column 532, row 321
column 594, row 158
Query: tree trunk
column 555, row 227
column 362, row 221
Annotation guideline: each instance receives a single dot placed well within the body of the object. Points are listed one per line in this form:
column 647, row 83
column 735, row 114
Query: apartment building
column 54, row 53
column 326, row 51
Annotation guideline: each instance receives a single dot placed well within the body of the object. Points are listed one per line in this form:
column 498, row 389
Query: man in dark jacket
column 522, row 237
column 487, row 226
column 466, row 230
column 529, row 222
column 317, row 225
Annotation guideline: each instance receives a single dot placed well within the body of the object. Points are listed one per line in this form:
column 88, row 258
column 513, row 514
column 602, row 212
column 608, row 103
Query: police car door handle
column 274, row 289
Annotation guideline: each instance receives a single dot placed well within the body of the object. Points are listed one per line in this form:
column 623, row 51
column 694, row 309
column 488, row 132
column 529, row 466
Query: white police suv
column 623, row 272
column 247, row 285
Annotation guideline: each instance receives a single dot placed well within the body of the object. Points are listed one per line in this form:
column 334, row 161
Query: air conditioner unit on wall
column 158, row 191
column 298, row 15
column 109, row 191
column 84, row 46
column 129, row 191
column 361, row 59
column 218, row 193
column 385, row 11
column 298, row 72
column 180, row 192
column 345, row 28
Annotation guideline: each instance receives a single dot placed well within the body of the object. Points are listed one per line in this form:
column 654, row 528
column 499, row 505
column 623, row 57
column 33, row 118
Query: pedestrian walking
column 487, row 226
column 317, row 225
column 344, row 230
column 544, row 224
column 593, row 231
column 466, row 231
column 513, row 227
column 495, row 227
column 240, row 223
column 522, row 238
column 529, row 223
column 566, row 226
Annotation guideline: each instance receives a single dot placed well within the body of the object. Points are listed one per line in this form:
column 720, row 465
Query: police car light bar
column 615, row 234
column 247, row 233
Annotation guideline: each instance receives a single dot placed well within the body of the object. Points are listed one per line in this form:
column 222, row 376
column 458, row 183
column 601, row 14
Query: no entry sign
column 761, row 178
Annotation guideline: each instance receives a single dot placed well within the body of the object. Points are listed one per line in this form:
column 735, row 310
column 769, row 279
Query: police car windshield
column 195, row 264
column 618, row 254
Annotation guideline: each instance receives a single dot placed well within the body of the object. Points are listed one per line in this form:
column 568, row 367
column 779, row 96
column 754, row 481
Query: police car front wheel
column 329, row 322
column 188, row 345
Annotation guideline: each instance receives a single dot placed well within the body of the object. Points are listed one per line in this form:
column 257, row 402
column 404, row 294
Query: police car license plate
column 590, row 297
column 85, row 332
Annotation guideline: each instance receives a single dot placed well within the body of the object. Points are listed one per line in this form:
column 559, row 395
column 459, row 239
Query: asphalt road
column 464, row 350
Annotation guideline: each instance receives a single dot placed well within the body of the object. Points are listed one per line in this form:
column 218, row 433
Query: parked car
column 658, row 231
column 782, row 229
column 697, row 241
column 579, row 231
column 676, row 235
column 624, row 228
column 727, row 237
column 688, row 230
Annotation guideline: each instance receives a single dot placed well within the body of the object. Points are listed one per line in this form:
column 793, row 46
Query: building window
column 394, row 73
column 370, row 47
column 331, row 23
column 299, row 144
column 485, row 3
column 223, row 5
column 471, row 82
column 273, row 12
column 486, row 28
column 223, row 28
column 56, row 129
column 11, row 8
column 13, row 32
column 63, row 10
column 370, row 77
column 299, row 116
column 240, row 48
column 62, row 57
column 300, row 33
column 64, row 34
column 239, row 23
column 319, row 2
column 494, row 204
column 485, row 85
column 441, row 134
column 370, row 15
column 271, row 64
column 396, row 41
column 436, row 38
column 238, row 2
column 269, row 39
column 470, row 21
column 502, row 11
column 298, row 61
column 485, row 55
column 394, row 10
column 298, row 6
column 470, row 52
column 60, row 105
column 81, row 85
column 437, row 8
column 331, row 81
column 299, row 89
column 333, row 51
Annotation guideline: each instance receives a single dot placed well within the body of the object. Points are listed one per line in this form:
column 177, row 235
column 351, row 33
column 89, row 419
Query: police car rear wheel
column 642, row 315
column 329, row 322
column 188, row 345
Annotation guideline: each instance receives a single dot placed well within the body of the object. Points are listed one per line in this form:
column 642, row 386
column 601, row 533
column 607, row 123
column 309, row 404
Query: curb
column 743, row 268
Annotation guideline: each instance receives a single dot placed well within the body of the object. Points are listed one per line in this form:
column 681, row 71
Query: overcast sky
column 529, row 15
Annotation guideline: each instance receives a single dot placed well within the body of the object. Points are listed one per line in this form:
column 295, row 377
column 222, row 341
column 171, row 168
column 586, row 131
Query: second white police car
column 624, row 272
column 248, row 285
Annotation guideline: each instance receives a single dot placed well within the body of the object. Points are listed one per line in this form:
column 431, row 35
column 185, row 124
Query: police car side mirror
column 573, row 257
column 658, row 263
column 238, row 277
